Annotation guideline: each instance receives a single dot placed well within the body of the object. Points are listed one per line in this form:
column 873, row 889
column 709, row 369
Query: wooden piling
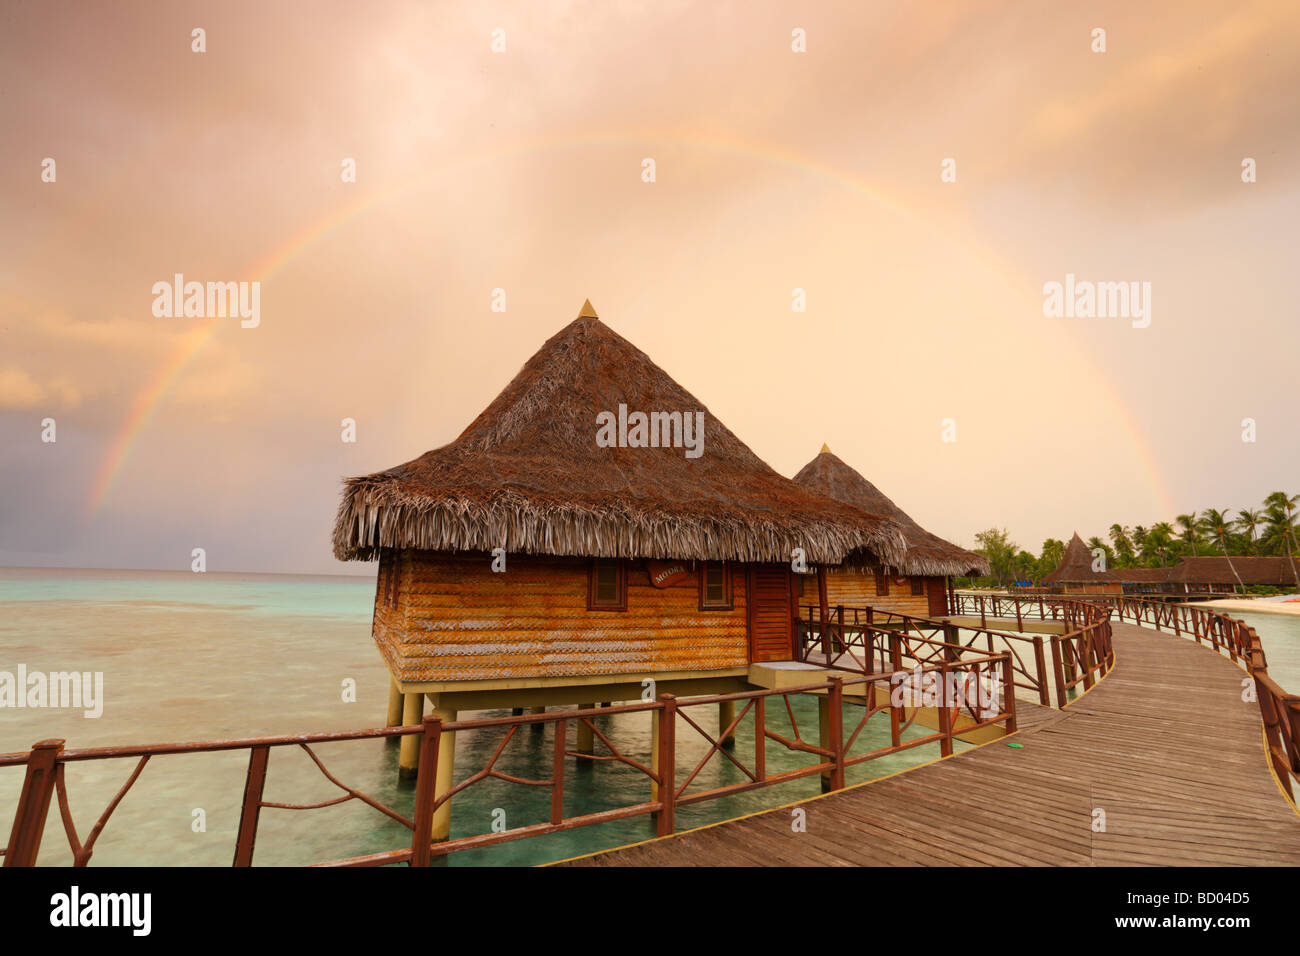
column 394, row 718
column 408, row 762
column 586, row 739
column 726, row 714
column 441, row 829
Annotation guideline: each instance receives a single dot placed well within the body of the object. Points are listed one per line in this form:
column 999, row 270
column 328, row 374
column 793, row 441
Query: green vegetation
column 1267, row 530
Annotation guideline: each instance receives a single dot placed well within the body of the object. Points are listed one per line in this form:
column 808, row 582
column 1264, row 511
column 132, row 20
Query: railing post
column 34, row 803
column 1040, row 671
column 1086, row 657
column 254, row 784
column 1009, row 693
column 557, row 771
column 835, row 703
column 1058, row 670
column 425, row 784
column 667, row 757
column 895, row 716
column 1020, row 625
column 952, row 642
column 839, row 625
column 945, row 715
column 895, row 651
column 760, row 738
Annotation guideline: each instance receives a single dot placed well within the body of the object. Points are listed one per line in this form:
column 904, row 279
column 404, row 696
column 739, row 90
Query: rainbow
column 150, row 398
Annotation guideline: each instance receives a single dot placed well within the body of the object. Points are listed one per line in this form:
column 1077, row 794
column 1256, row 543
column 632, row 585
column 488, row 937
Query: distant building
column 1210, row 575
column 1076, row 575
column 1218, row 574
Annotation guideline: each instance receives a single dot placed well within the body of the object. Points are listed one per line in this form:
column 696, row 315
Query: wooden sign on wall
column 664, row 574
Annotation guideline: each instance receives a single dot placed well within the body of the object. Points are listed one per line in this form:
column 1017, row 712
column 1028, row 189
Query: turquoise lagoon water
column 190, row 657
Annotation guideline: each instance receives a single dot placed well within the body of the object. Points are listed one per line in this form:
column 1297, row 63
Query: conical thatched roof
column 927, row 554
column 527, row 475
column 1076, row 566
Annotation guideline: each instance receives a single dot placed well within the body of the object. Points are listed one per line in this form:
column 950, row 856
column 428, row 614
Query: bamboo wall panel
column 858, row 589
column 457, row 620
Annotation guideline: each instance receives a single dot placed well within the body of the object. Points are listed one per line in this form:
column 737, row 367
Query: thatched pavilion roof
column 1272, row 570
column 927, row 554
column 527, row 475
column 1076, row 566
column 1138, row 575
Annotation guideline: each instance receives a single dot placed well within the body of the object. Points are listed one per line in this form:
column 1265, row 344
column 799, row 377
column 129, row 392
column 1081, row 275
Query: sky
column 522, row 168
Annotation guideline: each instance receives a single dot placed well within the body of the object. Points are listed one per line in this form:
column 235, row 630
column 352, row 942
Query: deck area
column 1165, row 746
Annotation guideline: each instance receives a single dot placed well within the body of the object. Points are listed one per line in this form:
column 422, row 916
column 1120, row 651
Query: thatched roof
column 1275, row 571
column 1138, row 575
column 1076, row 566
column 927, row 554
column 527, row 475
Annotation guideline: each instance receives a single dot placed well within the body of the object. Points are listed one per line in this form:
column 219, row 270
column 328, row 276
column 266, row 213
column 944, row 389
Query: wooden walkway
column 1165, row 746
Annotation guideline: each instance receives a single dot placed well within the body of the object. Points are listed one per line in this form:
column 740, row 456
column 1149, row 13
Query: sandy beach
column 1258, row 605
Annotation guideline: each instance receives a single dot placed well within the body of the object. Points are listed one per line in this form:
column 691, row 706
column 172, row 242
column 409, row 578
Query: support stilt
column 586, row 739
column 442, row 783
column 726, row 714
column 394, row 718
column 412, row 714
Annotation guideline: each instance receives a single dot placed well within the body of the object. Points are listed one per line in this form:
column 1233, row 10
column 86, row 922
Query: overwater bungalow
column 918, row 585
column 593, row 529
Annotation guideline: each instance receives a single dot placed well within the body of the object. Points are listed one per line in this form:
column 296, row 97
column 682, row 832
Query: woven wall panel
column 457, row 620
column 859, row 590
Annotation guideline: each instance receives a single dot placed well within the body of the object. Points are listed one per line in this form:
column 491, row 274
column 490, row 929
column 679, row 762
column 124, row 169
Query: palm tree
column 1053, row 554
column 1140, row 535
column 1119, row 537
column 1216, row 524
column 1160, row 537
column 1188, row 523
column 1249, row 520
column 1287, row 504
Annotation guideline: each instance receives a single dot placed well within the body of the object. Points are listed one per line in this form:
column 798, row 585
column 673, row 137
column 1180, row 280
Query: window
column 607, row 585
column 715, row 586
column 882, row 583
column 918, row 587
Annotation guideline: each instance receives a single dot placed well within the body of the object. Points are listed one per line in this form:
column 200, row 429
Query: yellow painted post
column 446, row 767
column 394, row 718
column 586, row 739
column 412, row 715
column 726, row 714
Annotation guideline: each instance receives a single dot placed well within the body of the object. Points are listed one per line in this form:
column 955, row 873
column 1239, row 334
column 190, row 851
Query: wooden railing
column 1279, row 711
column 830, row 757
column 868, row 640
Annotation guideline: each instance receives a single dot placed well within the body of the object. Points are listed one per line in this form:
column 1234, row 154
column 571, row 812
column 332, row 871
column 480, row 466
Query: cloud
column 19, row 391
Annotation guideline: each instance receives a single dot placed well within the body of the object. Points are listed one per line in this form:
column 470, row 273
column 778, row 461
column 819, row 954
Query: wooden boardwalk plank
column 1165, row 745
